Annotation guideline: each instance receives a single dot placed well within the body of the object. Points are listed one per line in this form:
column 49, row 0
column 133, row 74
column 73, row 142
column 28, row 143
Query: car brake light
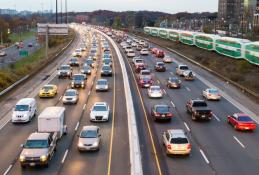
column 169, row 115
column 209, row 94
column 189, row 146
column 169, row 147
column 157, row 114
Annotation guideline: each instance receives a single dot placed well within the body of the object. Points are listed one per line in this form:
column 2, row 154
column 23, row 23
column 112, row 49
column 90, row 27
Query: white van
column 24, row 110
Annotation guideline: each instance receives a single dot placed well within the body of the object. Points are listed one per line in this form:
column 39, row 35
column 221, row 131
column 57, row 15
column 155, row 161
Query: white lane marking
column 164, row 91
column 89, row 93
column 158, row 81
column 64, row 157
column 60, row 98
column 171, row 73
column 84, row 106
column 238, row 141
column 173, row 104
column 8, row 169
column 77, row 125
column 216, row 117
column 204, row 156
column 188, row 89
column 1, row 127
column 187, row 127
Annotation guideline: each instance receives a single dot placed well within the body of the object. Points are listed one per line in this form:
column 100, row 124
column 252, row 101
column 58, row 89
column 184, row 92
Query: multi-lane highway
column 12, row 53
column 217, row 148
column 113, row 156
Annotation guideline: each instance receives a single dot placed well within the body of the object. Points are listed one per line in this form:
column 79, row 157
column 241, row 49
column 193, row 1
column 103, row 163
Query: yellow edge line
column 149, row 129
column 113, row 116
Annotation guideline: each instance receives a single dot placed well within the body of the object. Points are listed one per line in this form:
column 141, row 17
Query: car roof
column 25, row 101
column 100, row 104
column 154, row 86
column 49, row 85
column 71, row 90
column 240, row 114
column 102, row 80
column 90, row 127
column 161, row 105
column 38, row 136
column 175, row 133
column 182, row 65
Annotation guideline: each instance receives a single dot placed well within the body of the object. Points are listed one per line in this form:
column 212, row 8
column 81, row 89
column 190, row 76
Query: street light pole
column 61, row 15
column 56, row 11
column 66, row 11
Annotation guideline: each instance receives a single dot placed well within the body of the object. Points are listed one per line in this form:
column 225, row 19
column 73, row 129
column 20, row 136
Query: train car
column 232, row 47
column 187, row 37
column 147, row 30
column 206, row 41
column 154, row 31
column 163, row 33
column 174, row 35
column 252, row 52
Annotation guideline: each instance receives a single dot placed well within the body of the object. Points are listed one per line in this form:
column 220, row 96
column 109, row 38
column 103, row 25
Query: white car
column 155, row 92
column 70, row 96
column 77, row 53
column 128, row 48
column 167, row 59
column 2, row 53
column 102, row 85
column 24, row 110
column 100, row 112
column 176, row 142
column 134, row 44
column 181, row 68
column 211, row 94
column 141, row 42
column 144, row 52
column 131, row 53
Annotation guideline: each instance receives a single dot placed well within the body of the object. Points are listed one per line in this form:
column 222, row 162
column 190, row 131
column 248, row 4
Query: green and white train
column 232, row 47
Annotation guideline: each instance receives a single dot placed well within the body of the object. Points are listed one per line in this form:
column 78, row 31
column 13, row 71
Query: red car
column 139, row 67
column 241, row 122
column 160, row 54
column 145, row 82
column 154, row 50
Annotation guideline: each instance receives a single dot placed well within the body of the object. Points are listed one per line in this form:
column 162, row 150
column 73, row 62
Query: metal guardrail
column 5, row 91
column 242, row 88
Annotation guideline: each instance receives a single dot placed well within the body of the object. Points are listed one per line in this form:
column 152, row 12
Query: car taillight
column 157, row 114
column 189, row 146
column 209, row 94
column 169, row 115
column 169, row 147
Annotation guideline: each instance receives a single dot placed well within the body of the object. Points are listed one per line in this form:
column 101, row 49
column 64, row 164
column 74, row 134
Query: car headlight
column 25, row 115
column 59, row 73
column 82, row 83
column 95, row 144
column 80, row 144
column 43, row 158
column 102, row 71
column 22, row 158
column 72, row 83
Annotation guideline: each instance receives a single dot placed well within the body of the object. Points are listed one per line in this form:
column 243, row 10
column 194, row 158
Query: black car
column 161, row 112
column 73, row 62
column 173, row 82
column 86, row 69
column 106, row 71
column 78, row 81
column 198, row 109
column 160, row 67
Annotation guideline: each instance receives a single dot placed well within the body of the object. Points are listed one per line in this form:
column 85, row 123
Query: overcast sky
column 170, row 6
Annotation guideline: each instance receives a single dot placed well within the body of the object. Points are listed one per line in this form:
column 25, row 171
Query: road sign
column 53, row 29
column 23, row 53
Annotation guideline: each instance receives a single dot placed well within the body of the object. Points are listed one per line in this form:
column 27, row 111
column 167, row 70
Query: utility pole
column 61, row 11
column 66, row 11
column 2, row 38
column 47, row 41
column 56, row 11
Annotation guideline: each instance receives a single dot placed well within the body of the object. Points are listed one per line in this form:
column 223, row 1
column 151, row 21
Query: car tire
column 235, row 126
column 193, row 117
column 23, row 166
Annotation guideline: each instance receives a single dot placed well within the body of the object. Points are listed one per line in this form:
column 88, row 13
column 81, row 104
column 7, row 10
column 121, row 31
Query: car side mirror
column 22, row 145
column 51, row 145
column 99, row 135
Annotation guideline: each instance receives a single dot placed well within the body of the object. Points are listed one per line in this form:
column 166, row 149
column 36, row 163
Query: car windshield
column 64, row 68
column 73, row 60
column 174, row 79
column 89, row 61
column 70, row 93
column 47, row 88
column 93, row 51
column 160, row 64
column 88, row 134
column 86, row 67
column 199, row 104
column 106, row 61
column 213, row 91
column 155, row 88
column 21, row 108
column 99, row 108
column 244, row 119
column 162, row 109
column 78, row 77
column 101, row 82
column 145, row 79
column 145, row 73
column 179, row 140
column 36, row 144
column 139, row 61
column 106, row 68
column 184, row 68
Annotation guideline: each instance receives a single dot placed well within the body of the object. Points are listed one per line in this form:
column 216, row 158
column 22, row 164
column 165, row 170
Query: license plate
column 246, row 127
column 203, row 116
column 32, row 164
column 163, row 115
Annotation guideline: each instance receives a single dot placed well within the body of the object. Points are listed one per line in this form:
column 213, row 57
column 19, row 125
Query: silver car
column 70, row 96
column 102, row 85
column 89, row 139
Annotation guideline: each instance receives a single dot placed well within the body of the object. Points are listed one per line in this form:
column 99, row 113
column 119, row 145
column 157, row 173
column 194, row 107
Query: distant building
column 8, row 12
column 235, row 15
